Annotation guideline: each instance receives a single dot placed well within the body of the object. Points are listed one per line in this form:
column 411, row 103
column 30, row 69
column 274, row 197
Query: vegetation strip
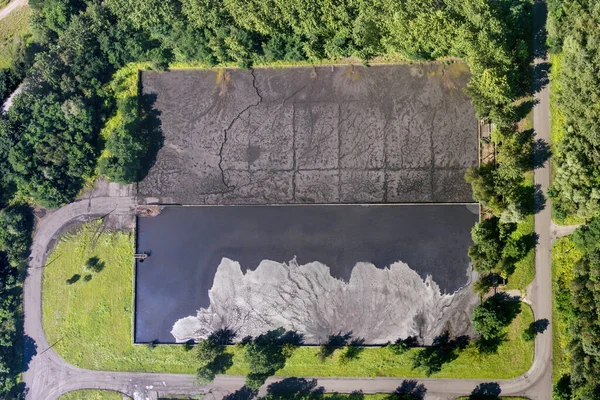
column 90, row 394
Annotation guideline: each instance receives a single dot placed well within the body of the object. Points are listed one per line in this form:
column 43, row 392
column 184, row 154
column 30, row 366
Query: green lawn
column 92, row 325
column 13, row 26
column 564, row 256
column 92, row 395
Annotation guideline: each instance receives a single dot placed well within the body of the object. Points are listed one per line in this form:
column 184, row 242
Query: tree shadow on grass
column 268, row 353
column 523, row 109
column 95, row 264
column 73, row 279
column 490, row 345
column 353, row 350
column 443, row 350
column 219, row 365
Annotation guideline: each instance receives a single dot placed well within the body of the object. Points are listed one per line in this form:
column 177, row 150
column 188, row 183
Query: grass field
column 12, row 27
column 93, row 321
column 564, row 256
column 92, row 395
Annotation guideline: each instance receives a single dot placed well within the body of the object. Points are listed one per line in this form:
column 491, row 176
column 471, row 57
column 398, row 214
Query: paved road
column 11, row 7
column 47, row 376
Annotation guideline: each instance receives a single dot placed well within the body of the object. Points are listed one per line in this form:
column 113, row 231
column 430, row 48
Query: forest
column 577, row 301
column 573, row 34
column 76, row 117
column 573, row 37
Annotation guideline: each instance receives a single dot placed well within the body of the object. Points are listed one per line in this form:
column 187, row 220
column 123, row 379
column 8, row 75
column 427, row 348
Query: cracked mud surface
column 186, row 271
column 403, row 133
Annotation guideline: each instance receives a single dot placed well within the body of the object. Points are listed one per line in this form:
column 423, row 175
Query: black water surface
column 187, row 244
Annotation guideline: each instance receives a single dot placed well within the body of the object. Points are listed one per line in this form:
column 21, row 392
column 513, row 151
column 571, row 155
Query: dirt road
column 11, row 7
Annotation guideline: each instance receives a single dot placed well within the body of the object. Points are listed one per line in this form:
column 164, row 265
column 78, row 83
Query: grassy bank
column 524, row 268
column 564, row 256
column 92, row 322
column 92, row 395
column 12, row 27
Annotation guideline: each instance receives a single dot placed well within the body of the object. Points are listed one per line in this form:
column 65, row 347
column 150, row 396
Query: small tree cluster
column 212, row 356
column 491, row 317
column 495, row 250
column 267, row 353
column 401, row 346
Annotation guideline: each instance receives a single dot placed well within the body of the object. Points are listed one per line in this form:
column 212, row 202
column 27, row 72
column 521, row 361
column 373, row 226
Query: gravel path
column 11, row 7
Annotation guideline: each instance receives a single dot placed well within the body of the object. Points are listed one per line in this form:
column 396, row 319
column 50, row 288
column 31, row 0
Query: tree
column 212, row 357
column 493, row 315
column 400, row 346
column 267, row 353
column 489, row 237
column 485, row 282
column 8, row 84
column 442, row 351
column 16, row 225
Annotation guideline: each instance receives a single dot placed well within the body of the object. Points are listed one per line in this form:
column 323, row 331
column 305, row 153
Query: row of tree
column 500, row 186
column 267, row 353
column 16, row 224
column 574, row 34
column 50, row 142
column 580, row 303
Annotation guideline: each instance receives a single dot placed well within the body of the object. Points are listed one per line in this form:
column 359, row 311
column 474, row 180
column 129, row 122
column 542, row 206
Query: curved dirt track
column 11, row 7
column 47, row 376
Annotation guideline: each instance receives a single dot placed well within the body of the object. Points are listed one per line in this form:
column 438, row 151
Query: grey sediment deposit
column 377, row 304
column 345, row 134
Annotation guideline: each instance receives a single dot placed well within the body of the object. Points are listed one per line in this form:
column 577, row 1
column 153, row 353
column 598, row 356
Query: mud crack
column 226, row 130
